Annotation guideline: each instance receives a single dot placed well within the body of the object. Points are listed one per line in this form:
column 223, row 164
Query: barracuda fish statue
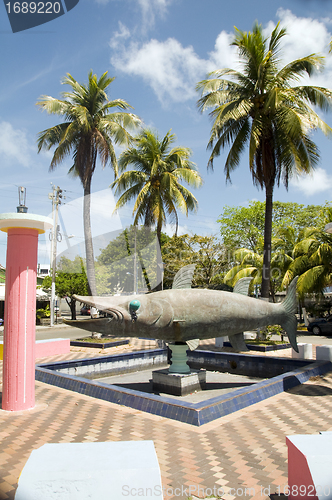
column 186, row 315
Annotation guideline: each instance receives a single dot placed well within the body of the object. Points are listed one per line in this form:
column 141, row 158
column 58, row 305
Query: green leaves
column 90, row 125
column 154, row 182
column 262, row 93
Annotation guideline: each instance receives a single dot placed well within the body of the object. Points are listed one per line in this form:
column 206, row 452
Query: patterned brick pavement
column 244, row 453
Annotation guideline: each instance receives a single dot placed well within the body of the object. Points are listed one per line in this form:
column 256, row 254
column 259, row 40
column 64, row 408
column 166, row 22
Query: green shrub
column 43, row 313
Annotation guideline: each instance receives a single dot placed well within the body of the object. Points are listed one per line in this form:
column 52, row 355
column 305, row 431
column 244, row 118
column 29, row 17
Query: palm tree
column 312, row 262
column 260, row 106
column 155, row 180
column 154, row 183
column 250, row 263
column 89, row 128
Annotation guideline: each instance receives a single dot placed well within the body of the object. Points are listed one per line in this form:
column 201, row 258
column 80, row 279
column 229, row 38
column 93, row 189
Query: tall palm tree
column 155, row 180
column 260, row 106
column 89, row 128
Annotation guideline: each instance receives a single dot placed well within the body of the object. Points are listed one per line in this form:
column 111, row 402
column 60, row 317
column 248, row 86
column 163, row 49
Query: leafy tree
column 260, row 106
column 89, row 128
column 70, row 282
column 116, row 262
column 243, row 227
column 205, row 251
column 71, row 266
column 249, row 264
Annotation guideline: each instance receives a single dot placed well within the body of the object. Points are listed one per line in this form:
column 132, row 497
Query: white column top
column 30, row 221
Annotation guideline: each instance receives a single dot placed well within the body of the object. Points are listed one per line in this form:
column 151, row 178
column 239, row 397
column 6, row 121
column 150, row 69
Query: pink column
column 18, row 381
column 18, row 391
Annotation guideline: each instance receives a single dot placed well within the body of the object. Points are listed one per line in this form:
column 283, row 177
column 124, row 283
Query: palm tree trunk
column 159, row 259
column 90, row 267
column 73, row 309
column 265, row 290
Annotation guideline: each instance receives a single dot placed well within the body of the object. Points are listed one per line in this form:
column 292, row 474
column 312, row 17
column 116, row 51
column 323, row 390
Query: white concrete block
column 310, row 465
column 305, row 351
column 220, row 341
column 324, row 352
column 82, row 471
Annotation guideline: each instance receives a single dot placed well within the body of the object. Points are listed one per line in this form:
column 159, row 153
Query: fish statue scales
column 189, row 314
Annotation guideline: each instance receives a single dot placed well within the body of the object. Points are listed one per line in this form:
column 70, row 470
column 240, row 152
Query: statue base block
column 178, row 384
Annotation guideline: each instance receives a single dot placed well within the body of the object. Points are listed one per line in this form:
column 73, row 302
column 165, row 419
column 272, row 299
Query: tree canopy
column 69, row 281
column 243, row 227
column 206, row 252
column 115, row 266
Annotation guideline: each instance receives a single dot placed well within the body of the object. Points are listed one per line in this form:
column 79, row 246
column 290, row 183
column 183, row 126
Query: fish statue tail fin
column 289, row 305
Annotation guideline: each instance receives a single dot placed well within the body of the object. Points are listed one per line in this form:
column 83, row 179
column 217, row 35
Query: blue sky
column 157, row 50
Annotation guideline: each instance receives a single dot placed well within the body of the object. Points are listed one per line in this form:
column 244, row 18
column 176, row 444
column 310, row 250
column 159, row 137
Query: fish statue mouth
column 115, row 315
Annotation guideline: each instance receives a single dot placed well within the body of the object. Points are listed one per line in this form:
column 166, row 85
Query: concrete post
column 305, row 351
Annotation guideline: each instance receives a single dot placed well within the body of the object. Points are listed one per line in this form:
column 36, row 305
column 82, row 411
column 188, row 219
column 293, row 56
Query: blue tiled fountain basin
column 283, row 373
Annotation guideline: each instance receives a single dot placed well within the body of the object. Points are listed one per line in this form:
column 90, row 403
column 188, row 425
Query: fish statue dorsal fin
column 184, row 277
column 242, row 286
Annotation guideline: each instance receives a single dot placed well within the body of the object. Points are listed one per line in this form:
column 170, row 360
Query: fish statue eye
column 134, row 305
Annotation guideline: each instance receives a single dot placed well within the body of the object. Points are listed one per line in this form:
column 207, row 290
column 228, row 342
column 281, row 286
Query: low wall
column 116, row 363
column 243, row 364
column 46, row 348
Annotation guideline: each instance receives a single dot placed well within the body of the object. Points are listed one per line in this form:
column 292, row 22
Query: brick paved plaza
column 243, row 453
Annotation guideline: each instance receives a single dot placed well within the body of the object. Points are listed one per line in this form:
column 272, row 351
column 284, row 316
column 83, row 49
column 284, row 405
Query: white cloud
column 150, row 9
column 311, row 184
column 168, row 67
column 173, row 70
column 224, row 55
column 14, row 145
column 169, row 229
column 305, row 36
column 120, row 36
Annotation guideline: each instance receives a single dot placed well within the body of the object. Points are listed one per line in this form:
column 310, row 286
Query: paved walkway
column 240, row 456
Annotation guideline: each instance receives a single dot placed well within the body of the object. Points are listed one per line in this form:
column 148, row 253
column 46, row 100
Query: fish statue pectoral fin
column 289, row 307
column 192, row 344
column 238, row 342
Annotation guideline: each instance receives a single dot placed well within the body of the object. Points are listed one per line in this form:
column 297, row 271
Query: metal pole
column 54, row 248
column 52, row 196
column 135, row 263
